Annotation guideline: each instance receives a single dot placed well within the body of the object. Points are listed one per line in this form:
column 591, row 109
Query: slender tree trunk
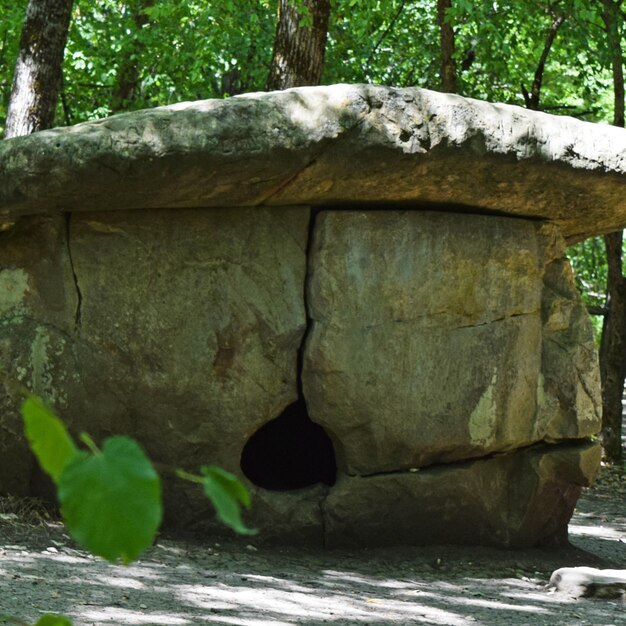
column 613, row 345
column 532, row 99
column 613, row 350
column 300, row 44
column 446, row 35
column 129, row 70
column 612, row 16
column 37, row 77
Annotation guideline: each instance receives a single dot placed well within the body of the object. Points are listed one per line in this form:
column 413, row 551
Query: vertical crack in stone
column 291, row 452
column 305, row 297
column 79, row 295
column 301, row 351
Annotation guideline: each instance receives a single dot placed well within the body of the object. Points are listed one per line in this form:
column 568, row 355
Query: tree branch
column 384, row 34
column 532, row 100
column 597, row 310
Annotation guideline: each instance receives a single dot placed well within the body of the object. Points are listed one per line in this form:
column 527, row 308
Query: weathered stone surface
column 518, row 499
column 38, row 301
column 190, row 326
column 569, row 397
column 325, row 145
column 182, row 332
column 427, row 334
column 288, row 517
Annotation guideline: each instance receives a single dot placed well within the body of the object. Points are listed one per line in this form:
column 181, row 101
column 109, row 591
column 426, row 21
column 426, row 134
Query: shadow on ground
column 197, row 582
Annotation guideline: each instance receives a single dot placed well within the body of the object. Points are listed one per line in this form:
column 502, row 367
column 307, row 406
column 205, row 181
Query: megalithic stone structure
column 355, row 297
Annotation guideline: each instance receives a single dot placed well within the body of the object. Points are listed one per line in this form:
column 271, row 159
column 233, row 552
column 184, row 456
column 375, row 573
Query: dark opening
column 289, row 452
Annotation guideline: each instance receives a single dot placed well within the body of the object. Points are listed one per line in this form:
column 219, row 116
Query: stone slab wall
column 448, row 357
column 435, row 339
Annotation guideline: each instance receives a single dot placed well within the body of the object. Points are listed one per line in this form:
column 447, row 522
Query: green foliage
column 226, row 493
column 47, row 437
column 393, row 42
column 588, row 260
column 187, row 50
column 498, row 47
column 196, row 49
column 53, row 620
column 111, row 500
column 44, row 620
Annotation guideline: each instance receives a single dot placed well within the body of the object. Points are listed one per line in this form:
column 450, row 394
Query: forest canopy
column 176, row 50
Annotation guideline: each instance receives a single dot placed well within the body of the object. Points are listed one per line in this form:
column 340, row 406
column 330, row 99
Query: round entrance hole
column 289, row 452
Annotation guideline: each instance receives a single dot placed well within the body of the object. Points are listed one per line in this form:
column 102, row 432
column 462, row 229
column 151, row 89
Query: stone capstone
column 340, row 144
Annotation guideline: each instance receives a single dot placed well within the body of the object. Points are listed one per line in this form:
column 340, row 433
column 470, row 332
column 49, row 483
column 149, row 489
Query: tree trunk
column 613, row 350
column 37, row 77
column 532, row 99
column 446, row 35
column 613, row 344
column 300, row 44
column 611, row 16
column 128, row 72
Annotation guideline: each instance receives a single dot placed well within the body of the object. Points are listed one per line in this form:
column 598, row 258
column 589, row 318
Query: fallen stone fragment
column 589, row 582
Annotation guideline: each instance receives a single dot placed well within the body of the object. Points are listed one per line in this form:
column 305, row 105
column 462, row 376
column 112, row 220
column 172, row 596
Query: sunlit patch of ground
column 197, row 582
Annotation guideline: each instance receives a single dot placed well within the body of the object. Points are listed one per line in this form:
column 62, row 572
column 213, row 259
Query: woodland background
column 63, row 62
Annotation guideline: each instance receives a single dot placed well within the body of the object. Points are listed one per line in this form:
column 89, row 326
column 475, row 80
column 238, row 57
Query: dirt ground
column 184, row 582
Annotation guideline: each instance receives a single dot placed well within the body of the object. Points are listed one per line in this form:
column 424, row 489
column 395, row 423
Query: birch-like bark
column 37, row 77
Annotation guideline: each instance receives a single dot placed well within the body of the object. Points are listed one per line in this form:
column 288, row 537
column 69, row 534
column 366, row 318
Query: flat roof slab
column 339, row 145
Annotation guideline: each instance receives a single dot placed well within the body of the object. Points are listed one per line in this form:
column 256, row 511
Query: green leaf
column 45, row 620
column 53, row 620
column 226, row 492
column 111, row 501
column 47, row 436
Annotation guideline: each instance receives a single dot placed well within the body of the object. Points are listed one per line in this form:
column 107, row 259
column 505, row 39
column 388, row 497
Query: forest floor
column 185, row 582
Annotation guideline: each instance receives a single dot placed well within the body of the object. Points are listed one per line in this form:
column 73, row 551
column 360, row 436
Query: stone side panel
column 444, row 337
column 38, row 302
column 512, row 500
column 190, row 325
column 569, row 391
column 178, row 327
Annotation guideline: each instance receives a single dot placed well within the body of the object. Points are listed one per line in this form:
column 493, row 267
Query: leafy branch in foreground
column 44, row 620
column 111, row 497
